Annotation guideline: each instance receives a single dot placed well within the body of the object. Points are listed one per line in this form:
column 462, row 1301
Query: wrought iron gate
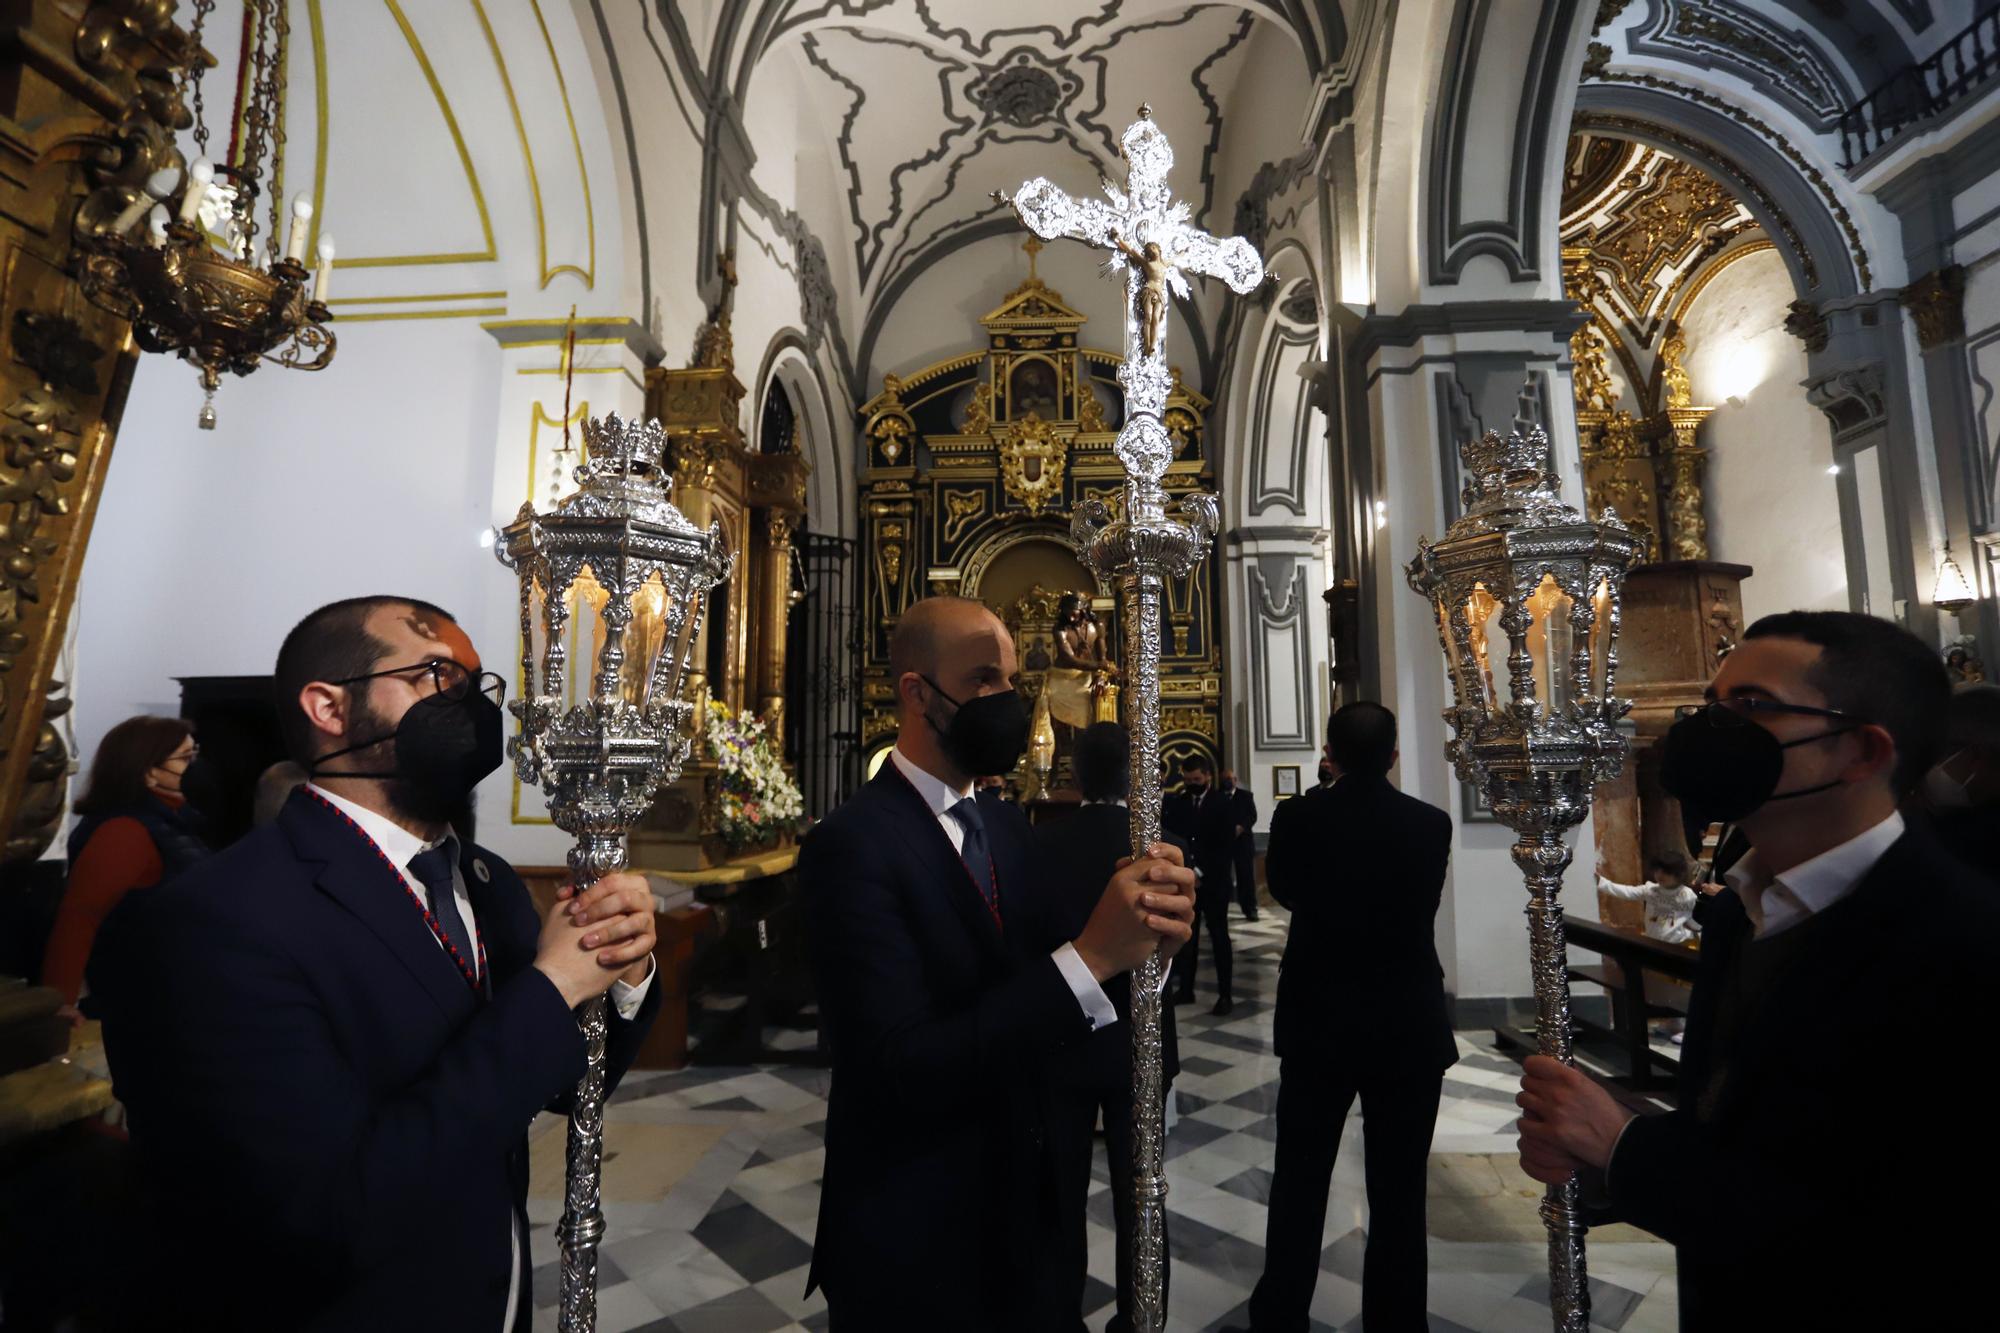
column 823, row 673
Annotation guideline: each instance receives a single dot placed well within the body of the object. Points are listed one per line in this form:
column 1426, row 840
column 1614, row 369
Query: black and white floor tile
column 713, row 1190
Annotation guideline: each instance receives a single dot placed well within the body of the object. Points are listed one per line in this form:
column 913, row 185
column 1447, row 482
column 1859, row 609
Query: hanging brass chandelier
column 181, row 261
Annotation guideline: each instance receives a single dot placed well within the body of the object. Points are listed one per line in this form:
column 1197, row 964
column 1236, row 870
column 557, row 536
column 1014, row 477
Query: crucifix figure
column 1147, row 234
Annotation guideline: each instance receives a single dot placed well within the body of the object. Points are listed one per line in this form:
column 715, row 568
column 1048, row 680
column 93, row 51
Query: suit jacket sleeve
column 1284, row 857
column 1246, row 813
column 263, row 1083
column 882, row 1013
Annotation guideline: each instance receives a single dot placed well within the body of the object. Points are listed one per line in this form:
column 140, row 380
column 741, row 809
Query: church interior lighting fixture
column 183, row 260
column 1526, row 591
column 1954, row 592
column 614, row 581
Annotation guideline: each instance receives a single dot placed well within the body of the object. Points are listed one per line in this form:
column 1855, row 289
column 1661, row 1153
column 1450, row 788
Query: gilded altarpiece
column 759, row 498
column 87, row 116
column 973, row 465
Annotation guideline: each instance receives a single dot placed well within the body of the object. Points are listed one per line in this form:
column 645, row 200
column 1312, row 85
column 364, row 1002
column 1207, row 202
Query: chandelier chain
column 191, row 72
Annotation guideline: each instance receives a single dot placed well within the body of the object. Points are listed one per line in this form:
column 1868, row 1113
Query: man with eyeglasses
column 332, row 1038
column 1829, row 1099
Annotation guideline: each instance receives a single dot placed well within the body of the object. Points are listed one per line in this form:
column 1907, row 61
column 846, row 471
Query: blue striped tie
column 978, row 859
column 433, row 871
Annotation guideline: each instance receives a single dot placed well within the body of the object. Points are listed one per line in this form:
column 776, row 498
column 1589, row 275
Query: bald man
column 945, row 987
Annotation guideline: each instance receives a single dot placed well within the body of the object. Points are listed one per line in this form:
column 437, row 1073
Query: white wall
column 1772, row 504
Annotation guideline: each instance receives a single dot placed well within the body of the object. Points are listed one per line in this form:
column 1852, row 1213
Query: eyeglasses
column 1745, row 709
column 448, row 680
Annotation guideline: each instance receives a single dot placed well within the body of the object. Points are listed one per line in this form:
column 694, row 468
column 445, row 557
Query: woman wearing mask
column 134, row 833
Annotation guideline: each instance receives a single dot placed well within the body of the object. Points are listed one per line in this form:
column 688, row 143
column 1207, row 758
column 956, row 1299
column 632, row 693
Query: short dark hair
column 331, row 644
column 1674, row 863
column 1102, row 762
column 129, row 751
column 1197, row 763
column 1877, row 671
column 1361, row 737
column 1974, row 719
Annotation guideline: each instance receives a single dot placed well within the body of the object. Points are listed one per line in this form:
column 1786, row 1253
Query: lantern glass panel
column 585, row 640
column 1550, row 643
column 538, row 633
column 1463, row 690
column 1600, row 638
column 685, row 602
column 1489, row 646
column 645, row 638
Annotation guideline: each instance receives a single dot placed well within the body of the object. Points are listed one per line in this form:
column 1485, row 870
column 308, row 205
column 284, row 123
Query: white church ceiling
column 927, row 106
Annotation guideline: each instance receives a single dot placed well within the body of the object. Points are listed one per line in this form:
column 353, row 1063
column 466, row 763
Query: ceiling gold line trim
column 527, row 150
column 576, row 142
column 405, row 300
column 321, row 121
column 418, row 314
column 558, row 342
column 464, row 158
column 558, row 320
column 1686, row 299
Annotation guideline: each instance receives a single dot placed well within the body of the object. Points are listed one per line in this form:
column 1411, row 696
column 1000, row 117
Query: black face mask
column 201, row 787
column 987, row 734
column 444, row 748
column 1721, row 770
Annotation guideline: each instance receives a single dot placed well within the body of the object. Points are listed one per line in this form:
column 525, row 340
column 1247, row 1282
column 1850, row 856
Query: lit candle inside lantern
column 295, row 240
column 325, row 272
column 199, row 175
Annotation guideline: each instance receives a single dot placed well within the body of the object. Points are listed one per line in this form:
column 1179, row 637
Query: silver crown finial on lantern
column 1526, row 588
column 614, row 582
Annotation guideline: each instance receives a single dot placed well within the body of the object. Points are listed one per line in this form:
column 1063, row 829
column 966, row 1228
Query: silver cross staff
column 1148, row 236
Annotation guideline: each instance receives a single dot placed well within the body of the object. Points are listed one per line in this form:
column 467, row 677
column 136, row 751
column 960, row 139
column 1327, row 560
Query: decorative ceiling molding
column 1783, row 63
column 1508, row 226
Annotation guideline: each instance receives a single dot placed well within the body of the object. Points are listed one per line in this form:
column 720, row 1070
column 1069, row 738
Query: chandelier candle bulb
column 199, row 176
column 324, row 274
column 156, row 226
column 295, row 239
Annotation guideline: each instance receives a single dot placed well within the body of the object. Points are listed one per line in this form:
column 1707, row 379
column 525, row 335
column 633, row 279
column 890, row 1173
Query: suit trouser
column 1246, row 876
column 1117, row 1108
column 1212, row 904
column 1398, row 1117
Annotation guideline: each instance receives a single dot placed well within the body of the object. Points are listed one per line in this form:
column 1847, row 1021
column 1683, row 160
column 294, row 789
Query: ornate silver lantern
column 1526, row 592
column 613, row 586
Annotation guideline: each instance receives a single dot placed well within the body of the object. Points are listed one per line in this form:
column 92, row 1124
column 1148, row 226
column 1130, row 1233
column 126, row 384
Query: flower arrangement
column 756, row 800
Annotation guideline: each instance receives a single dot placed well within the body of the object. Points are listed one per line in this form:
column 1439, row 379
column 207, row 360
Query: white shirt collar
column 1817, row 882
column 939, row 795
column 397, row 843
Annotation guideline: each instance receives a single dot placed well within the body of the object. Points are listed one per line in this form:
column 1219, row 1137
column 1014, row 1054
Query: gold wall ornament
column 153, row 264
column 1591, row 378
column 961, row 508
column 88, row 113
column 1687, row 522
column 978, row 410
column 1936, row 303
column 1674, row 381
column 1032, row 458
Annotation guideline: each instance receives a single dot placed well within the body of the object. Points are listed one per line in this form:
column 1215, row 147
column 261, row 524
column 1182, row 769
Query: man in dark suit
column 1361, row 1012
column 946, row 984
column 1207, row 820
column 1243, row 851
column 1074, row 856
column 1828, row 1078
column 330, row 1038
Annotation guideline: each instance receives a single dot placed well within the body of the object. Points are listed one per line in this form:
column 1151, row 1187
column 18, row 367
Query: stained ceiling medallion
column 181, row 261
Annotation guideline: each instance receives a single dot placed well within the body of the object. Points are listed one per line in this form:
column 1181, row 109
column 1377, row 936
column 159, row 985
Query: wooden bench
column 1628, row 956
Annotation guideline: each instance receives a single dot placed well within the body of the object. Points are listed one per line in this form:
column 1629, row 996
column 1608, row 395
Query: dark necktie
column 433, row 871
column 978, row 858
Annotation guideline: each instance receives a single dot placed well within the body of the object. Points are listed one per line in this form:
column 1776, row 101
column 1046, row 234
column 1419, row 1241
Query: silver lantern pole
column 1147, row 235
column 1526, row 592
column 614, row 582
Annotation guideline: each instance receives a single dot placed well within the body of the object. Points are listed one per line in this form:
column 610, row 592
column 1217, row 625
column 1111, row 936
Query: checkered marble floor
column 712, row 1190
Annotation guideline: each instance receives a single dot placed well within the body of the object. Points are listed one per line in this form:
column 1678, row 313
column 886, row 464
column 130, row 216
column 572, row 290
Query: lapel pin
column 480, row 871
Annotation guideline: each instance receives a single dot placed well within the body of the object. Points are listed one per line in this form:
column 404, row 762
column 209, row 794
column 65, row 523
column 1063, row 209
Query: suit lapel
column 939, row 864
column 355, row 874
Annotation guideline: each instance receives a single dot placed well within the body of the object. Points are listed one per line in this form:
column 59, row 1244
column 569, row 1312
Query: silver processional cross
column 1148, row 236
